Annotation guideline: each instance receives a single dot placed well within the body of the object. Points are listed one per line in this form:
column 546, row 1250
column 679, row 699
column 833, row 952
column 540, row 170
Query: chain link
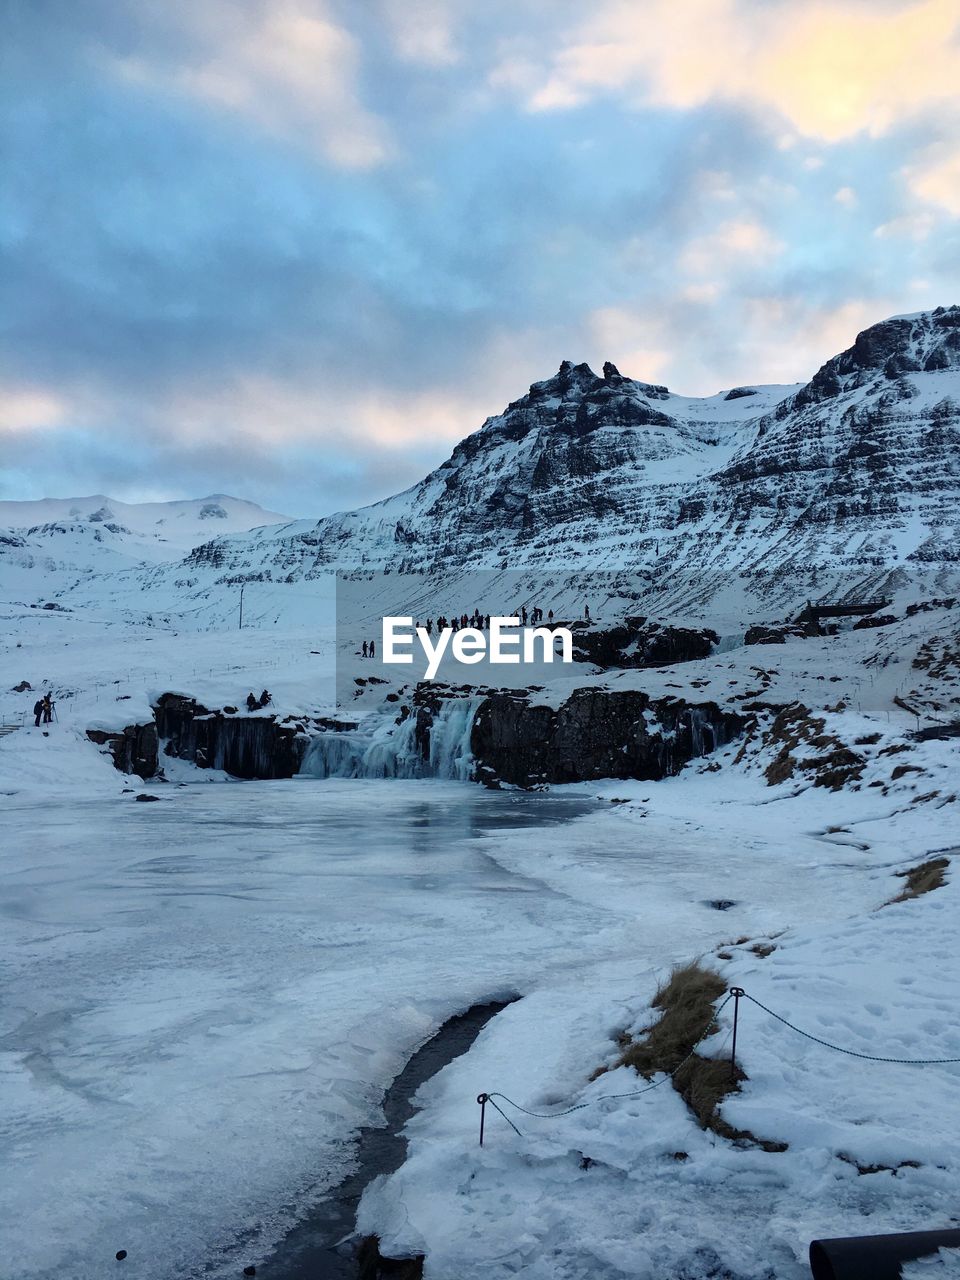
column 608, row 1097
column 869, row 1057
column 611, row 1097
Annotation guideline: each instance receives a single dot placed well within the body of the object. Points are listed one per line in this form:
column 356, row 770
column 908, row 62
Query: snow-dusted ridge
column 736, row 506
column 847, row 484
column 172, row 526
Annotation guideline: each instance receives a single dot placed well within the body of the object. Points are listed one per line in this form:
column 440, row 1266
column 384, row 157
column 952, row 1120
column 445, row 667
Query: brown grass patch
column 687, row 1015
column 923, row 878
column 902, row 770
column 686, row 1001
column 794, row 728
column 763, row 949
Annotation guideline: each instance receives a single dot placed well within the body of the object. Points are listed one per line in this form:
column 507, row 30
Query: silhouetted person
column 264, row 698
column 586, row 612
column 373, row 648
column 550, row 616
column 366, row 649
column 252, row 703
column 47, row 709
column 37, row 712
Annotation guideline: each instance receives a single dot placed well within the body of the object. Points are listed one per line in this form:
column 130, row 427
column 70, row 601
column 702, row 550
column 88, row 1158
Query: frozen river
column 205, row 996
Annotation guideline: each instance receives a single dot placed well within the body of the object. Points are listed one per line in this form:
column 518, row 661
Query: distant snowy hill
column 159, row 528
column 733, row 507
column 57, row 544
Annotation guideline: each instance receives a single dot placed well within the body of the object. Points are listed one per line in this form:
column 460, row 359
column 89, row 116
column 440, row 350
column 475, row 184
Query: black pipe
column 875, row 1257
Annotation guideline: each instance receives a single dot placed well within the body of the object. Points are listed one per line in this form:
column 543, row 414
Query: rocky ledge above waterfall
column 496, row 737
column 246, row 746
column 594, row 733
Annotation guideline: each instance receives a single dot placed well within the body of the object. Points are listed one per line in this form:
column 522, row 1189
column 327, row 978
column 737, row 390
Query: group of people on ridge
column 477, row 620
column 481, row 621
column 254, row 703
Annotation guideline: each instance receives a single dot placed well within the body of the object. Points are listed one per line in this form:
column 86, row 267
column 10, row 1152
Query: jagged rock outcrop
column 640, row 643
column 770, row 634
column 134, row 750
column 595, row 733
column 245, row 746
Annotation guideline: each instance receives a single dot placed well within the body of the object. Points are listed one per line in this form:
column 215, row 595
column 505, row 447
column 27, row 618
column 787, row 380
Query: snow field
column 876, row 981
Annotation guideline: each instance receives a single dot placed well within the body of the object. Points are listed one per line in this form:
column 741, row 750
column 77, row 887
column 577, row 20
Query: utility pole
column 240, row 627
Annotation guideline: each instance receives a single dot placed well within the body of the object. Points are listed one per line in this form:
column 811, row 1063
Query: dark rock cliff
column 595, row 733
column 134, row 750
column 245, row 746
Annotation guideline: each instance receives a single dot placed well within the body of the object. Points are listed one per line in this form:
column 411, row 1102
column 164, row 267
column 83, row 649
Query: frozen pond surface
column 205, row 996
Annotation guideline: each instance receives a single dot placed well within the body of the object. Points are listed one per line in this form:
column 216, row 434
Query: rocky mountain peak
column 854, row 475
column 923, row 343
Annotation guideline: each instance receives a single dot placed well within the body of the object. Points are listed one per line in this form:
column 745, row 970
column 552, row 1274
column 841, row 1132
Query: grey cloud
column 156, row 249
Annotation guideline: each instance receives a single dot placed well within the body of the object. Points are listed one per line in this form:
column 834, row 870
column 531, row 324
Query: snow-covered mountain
column 49, row 545
column 742, row 504
column 850, row 482
column 156, row 529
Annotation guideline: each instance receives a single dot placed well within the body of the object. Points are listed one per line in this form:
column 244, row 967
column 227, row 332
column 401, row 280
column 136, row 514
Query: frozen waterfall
column 386, row 749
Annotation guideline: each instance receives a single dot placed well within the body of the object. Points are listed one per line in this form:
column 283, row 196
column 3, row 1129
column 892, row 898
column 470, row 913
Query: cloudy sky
column 295, row 249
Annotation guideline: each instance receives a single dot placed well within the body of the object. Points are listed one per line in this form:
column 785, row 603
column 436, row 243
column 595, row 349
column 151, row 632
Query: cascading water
column 727, row 643
column 450, row 755
column 703, row 734
column 390, row 750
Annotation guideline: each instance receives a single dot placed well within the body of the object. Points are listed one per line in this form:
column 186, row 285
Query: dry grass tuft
column 686, row 1002
column 923, row 878
column 795, row 728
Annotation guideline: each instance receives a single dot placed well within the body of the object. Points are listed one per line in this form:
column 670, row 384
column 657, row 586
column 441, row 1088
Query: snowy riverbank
column 208, row 995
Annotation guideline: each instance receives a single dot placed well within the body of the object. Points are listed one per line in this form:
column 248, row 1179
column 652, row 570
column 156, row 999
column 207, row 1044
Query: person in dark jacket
column 264, row 698
column 37, row 711
column 47, row 709
column 252, row 703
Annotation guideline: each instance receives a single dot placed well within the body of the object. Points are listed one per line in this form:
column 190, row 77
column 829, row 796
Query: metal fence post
column 736, row 992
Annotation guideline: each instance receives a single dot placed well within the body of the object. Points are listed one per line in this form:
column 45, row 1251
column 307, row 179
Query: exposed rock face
column 372, row 1265
column 245, row 746
column 876, row 620
column 596, row 733
column 778, row 635
column 134, row 750
column 639, row 643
